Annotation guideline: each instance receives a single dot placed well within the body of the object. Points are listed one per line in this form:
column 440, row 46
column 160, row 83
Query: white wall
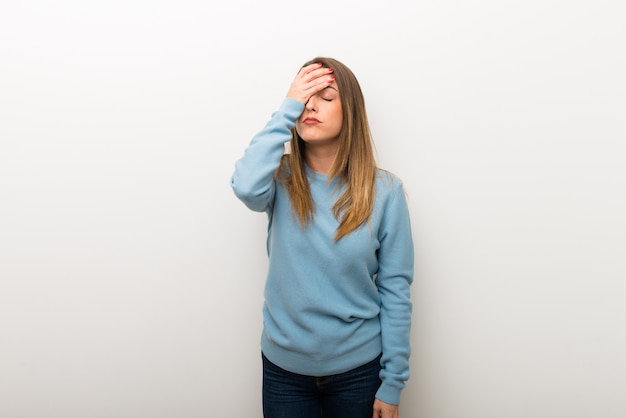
column 131, row 278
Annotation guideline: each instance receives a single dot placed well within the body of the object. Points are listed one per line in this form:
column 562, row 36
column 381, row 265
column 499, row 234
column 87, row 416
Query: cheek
column 338, row 119
column 299, row 129
column 333, row 112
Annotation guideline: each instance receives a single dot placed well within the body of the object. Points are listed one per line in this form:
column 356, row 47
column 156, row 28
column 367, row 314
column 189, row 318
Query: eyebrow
column 329, row 87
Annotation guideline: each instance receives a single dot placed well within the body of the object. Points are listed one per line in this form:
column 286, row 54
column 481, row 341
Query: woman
column 337, row 309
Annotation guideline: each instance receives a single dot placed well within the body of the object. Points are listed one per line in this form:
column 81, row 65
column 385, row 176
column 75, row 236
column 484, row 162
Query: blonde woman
column 337, row 309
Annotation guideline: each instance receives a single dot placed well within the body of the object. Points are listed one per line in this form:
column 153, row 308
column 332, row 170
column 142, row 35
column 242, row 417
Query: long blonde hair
column 354, row 165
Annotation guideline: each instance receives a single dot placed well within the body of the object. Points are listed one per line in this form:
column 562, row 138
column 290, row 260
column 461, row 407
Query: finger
column 307, row 84
column 306, row 76
column 309, row 68
column 315, row 79
column 321, row 82
column 318, row 85
column 316, row 73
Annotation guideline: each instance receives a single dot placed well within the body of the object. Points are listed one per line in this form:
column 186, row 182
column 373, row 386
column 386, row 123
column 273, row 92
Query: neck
column 321, row 157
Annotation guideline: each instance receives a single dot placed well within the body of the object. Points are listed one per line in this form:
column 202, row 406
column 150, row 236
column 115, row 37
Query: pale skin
column 319, row 127
column 320, row 122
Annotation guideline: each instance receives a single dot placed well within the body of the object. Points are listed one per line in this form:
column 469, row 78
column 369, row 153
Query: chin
column 308, row 138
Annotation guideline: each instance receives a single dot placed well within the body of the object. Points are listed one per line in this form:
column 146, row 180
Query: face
column 321, row 120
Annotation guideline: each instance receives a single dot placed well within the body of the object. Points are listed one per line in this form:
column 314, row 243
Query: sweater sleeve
column 253, row 179
column 394, row 277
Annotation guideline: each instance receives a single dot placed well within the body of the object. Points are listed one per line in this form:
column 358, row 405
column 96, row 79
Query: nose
column 311, row 104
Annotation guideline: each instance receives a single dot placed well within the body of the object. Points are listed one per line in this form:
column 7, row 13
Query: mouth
column 310, row 121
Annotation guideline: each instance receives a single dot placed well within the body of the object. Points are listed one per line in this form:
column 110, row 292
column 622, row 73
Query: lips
column 310, row 121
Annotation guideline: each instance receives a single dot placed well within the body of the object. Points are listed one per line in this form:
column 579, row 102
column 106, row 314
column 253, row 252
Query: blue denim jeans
column 346, row 395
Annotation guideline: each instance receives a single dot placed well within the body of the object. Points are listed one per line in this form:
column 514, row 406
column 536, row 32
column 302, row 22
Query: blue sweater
column 330, row 306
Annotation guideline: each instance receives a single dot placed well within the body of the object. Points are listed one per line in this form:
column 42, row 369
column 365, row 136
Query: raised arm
column 253, row 179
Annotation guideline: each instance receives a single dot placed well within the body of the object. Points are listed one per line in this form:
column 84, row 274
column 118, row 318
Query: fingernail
column 330, row 70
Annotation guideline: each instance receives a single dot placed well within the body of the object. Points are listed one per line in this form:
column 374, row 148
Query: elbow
column 243, row 191
column 250, row 196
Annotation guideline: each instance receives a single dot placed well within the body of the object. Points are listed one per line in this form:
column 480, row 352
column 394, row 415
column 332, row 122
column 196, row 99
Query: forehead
column 332, row 87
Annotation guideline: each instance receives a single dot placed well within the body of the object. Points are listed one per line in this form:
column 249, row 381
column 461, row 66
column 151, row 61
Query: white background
column 131, row 277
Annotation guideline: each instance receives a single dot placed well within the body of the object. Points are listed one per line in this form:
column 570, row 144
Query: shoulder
column 391, row 205
column 387, row 183
column 390, row 191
